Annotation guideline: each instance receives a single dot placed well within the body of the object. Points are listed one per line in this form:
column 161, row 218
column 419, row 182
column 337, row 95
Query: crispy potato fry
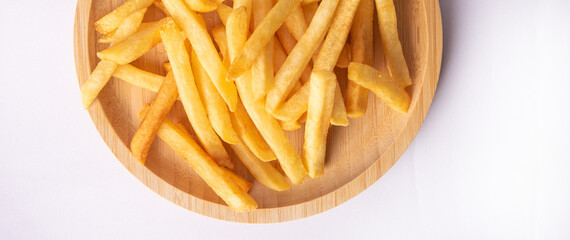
column 135, row 46
column 180, row 61
column 138, row 77
column 295, row 106
column 388, row 24
column 195, row 29
column 250, row 135
column 158, row 4
column 385, row 87
column 236, row 30
column 203, row 5
column 296, row 23
column 262, row 69
column 104, row 69
column 309, row 10
column 344, row 57
column 224, row 12
column 307, row 2
column 112, row 20
column 339, row 117
column 260, row 37
column 215, row 106
column 159, row 108
column 244, row 3
column 107, row 38
column 290, row 126
column 322, row 92
column 291, row 70
column 215, row 176
column 362, row 45
column 264, row 172
column 219, row 34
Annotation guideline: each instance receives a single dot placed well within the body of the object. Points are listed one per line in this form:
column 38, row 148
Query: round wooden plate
column 357, row 155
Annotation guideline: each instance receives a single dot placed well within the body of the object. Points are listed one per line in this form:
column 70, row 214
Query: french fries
column 158, row 4
column 290, row 126
column 296, row 23
column 195, row 29
column 215, row 106
column 388, row 24
column 203, row 5
column 309, row 10
column 112, row 20
column 193, row 106
column 138, row 77
column 385, row 87
column 250, row 135
column 159, row 108
column 224, row 12
column 260, row 37
column 322, row 92
column 215, row 176
column 104, row 69
column 262, row 69
column 344, row 57
column 219, row 34
column 362, row 45
column 307, row 2
column 236, row 30
column 291, row 70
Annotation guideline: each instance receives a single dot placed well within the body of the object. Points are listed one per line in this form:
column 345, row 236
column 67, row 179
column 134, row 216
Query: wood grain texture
column 357, row 155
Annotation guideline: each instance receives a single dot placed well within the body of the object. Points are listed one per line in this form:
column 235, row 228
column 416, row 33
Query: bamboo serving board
column 357, row 155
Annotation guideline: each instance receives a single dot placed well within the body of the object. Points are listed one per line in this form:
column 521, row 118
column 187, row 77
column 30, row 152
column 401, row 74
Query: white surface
column 490, row 162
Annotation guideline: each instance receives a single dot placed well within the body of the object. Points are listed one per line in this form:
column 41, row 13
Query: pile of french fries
column 267, row 69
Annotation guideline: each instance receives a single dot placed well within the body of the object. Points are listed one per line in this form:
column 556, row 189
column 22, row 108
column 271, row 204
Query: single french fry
column 264, row 172
column 344, row 57
column 290, row 126
column 307, row 2
column 112, row 20
column 244, row 3
column 135, row 46
column 138, row 77
column 309, row 10
column 388, row 24
column 385, row 87
column 215, row 106
column 159, row 108
column 323, row 85
column 296, row 23
column 291, row 70
column 195, row 28
column 260, row 37
column 193, row 106
column 219, row 34
column 224, row 12
column 262, row 69
column 107, row 38
column 236, row 30
column 215, row 176
column 295, row 106
column 104, row 69
column 339, row 117
column 249, row 134
column 203, row 5
column 362, row 45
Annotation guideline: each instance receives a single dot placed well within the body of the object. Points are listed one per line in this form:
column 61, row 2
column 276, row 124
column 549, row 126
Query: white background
column 491, row 160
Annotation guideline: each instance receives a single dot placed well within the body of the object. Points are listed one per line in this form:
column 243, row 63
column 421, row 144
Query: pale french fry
column 295, row 106
column 138, row 77
column 195, row 29
column 236, row 30
column 264, row 172
column 112, row 20
column 107, row 38
column 385, row 87
column 158, row 4
column 219, row 34
column 290, row 126
column 388, row 24
column 291, row 70
column 262, row 69
column 309, row 10
column 244, row 3
column 322, row 92
column 159, row 108
column 307, row 2
column 296, row 22
column 361, row 37
column 203, row 5
column 339, row 117
column 193, row 106
column 215, row 176
column 215, row 106
column 260, row 37
column 249, row 134
column 344, row 57
column 104, row 69
column 224, row 12
column 135, row 46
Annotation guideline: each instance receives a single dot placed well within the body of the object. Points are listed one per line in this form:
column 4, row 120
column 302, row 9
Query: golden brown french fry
column 322, row 91
column 307, row 2
column 159, row 108
column 215, row 176
column 112, row 20
column 250, row 135
column 388, row 24
column 135, row 46
column 203, row 5
column 219, row 34
column 193, row 106
column 224, row 12
column 344, row 57
column 107, row 38
column 290, row 126
column 339, row 117
column 286, row 39
column 195, row 29
column 260, row 37
column 296, row 22
column 264, row 172
column 291, row 70
column 138, row 77
column 262, row 69
column 295, row 106
column 385, row 87
column 215, row 106
column 104, row 69
column 309, row 10
column 244, row 3
column 236, row 30
column 362, row 45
